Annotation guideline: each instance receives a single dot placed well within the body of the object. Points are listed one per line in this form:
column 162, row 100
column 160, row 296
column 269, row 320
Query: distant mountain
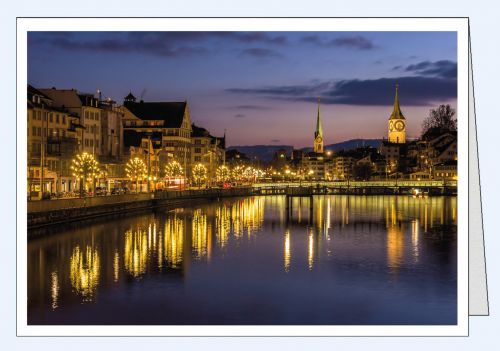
column 350, row 144
column 262, row 152
column 266, row 152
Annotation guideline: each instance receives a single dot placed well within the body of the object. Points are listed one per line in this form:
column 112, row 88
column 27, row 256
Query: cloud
column 275, row 140
column 357, row 42
column 260, row 53
column 163, row 44
column 414, row 91
column 443, row 68
column 252, row 107
column 240, row 115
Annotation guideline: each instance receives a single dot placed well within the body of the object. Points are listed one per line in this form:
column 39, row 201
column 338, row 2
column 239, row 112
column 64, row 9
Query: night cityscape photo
column 242, row 178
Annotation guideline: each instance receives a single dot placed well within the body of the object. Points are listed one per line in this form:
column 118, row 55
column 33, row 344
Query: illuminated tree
column 199, row 174
column 85, row 169
column 173, row 169
column 136, row 170
column 237, row 173
column 223, row 174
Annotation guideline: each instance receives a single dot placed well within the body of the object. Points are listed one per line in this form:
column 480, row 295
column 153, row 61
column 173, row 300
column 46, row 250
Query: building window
column 197, row 158
column 64, row 119
column 197, row 150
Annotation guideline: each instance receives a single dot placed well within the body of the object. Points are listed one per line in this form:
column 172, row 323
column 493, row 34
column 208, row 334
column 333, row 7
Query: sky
column 261, row 87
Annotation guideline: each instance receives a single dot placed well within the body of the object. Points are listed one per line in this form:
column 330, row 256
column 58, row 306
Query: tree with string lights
column 136, row 171
column 85, row 169
column 199, row 174
column 223, row 173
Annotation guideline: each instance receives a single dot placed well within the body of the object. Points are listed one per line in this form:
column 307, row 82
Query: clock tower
column 397, row 123
column 318, row 135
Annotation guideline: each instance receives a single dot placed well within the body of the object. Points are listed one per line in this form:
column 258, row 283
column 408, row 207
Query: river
column 348, row 260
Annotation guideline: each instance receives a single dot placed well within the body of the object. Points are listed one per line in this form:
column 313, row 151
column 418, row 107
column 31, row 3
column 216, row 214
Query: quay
column 58, row 211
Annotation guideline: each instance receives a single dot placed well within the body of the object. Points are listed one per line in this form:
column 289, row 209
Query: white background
column 485, row 50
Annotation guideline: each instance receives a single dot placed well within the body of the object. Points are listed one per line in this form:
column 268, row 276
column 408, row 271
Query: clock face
column 319, row 140
column 399, row 125
column 391, row 126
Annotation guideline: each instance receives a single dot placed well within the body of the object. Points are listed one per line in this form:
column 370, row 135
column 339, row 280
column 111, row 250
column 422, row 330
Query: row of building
column 63, row 123
column 433, row 156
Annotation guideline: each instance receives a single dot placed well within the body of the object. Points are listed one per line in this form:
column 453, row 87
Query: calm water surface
column 353, row 260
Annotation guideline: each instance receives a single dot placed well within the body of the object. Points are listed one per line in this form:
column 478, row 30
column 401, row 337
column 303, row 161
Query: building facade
column 52, row 144
column 170, row 119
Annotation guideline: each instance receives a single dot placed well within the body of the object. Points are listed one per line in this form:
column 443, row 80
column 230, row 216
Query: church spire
column 319, row 128
column 396, row 112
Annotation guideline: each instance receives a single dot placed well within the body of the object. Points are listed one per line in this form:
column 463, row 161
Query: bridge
column 384, row 187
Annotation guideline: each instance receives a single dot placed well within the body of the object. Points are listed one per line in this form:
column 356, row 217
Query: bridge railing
column 361, row 184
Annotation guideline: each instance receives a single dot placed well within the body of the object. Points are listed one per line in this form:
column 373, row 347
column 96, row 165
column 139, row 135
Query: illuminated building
column 317, row 165
column 166, row 124
column 53, row 140
column 207, row 150
column 397, row 123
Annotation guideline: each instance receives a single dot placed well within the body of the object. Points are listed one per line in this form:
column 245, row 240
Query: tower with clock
column 318, row 134
column 397, row 123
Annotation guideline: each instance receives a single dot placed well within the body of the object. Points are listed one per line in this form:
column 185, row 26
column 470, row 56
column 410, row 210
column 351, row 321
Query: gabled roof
column 33, row 91
column 198, row 132
column 170, row 112
column 67, row 98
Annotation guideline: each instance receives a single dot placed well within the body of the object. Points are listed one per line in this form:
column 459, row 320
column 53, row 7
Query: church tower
column 318, row 134
column 397, row 123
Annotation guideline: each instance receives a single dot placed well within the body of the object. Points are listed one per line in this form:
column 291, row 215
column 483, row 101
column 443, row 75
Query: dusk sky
column 260, row 86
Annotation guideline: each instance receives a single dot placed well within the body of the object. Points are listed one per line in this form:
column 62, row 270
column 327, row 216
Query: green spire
column 396, row 112
column 319, row 128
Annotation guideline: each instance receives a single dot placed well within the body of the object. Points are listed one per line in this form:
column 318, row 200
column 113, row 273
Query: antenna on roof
column 143, row 93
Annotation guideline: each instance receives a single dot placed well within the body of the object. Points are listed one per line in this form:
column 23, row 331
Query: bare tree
column 441, row 119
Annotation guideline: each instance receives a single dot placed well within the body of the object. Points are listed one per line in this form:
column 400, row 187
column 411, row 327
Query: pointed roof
column 319, row 128
column 129, row 97
column 396, row 112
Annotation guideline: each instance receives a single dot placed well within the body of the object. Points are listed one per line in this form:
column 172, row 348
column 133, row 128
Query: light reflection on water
column 352, row 260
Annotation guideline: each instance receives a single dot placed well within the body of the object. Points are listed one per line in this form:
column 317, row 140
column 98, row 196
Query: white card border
column 460, row 25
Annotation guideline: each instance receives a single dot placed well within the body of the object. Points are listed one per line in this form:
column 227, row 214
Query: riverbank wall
column 50, row 212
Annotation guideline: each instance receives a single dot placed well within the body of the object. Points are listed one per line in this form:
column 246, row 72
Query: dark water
column 355, row 260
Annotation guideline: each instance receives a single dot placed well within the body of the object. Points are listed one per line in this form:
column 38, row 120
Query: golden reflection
column 395, row 246
column 310, row 249
column 247, row 215
column 136, row 252
column 199, row 236
column 414, row 238
column 286, row 253
column 116, row 267
column 174, row 241
column 54, row 289
column 222, row 224
column 84, row 271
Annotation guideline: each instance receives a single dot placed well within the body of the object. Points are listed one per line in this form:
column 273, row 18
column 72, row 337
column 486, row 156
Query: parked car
column 101, row 191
